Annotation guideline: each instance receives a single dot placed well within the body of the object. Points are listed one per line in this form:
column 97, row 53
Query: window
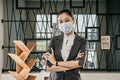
column 43, row 32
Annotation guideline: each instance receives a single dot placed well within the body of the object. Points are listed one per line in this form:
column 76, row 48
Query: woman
column 67, row 53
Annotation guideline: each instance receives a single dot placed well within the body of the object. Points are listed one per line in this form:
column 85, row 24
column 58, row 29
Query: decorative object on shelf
column 23, row 65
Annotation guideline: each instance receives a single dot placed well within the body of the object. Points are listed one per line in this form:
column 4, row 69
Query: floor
column 85, row 76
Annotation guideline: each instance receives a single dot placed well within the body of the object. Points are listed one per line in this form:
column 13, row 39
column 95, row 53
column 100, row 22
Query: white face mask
column 66, row 27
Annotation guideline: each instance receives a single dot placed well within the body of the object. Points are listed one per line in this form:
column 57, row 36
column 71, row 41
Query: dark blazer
column 56, row 44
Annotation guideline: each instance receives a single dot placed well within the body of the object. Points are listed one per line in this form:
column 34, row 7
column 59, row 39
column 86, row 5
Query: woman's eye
column 67, row 20
column 60, row 21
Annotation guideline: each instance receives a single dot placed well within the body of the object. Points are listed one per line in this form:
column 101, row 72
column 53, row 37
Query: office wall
column 113, row 29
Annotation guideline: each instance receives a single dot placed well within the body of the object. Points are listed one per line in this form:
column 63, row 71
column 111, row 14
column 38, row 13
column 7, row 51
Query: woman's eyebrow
column 60, row 20
column 66, row 18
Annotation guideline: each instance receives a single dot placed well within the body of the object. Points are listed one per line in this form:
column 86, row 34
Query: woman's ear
column 74, row 21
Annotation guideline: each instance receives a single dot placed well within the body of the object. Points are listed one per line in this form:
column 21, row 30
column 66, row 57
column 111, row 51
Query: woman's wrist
column 56, row 63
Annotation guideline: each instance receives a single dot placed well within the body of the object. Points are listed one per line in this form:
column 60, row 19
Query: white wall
column 1, row 36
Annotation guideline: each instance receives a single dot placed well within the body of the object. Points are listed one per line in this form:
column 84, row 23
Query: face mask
column 66, row 27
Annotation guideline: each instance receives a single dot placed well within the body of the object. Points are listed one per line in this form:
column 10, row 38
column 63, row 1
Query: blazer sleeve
column 83, row 49
column 51, row 45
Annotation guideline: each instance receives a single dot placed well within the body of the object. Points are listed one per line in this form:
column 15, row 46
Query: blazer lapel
column 74, row 48
column 58, row 44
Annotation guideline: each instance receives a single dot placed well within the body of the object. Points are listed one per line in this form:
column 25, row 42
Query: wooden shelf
column 23, row 67
column 18, row 60
column 30, row 77
column 30, row 63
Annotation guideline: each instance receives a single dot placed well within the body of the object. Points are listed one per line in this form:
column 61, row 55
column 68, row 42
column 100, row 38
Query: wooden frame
column 105, row 42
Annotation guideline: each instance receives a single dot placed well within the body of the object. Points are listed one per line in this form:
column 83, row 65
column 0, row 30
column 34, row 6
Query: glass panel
column 41, row 45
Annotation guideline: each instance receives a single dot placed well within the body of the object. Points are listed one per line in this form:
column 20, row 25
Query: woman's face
column 62, row 18
column 65, row 23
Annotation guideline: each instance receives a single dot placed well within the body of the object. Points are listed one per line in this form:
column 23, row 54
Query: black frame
column 116, row 42
column 18, row 7
column 86, row 33
column 83, row 4
column 97, row 10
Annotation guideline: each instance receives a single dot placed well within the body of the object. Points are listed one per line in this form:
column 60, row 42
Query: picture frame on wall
column 105, row 42
column 92, row 34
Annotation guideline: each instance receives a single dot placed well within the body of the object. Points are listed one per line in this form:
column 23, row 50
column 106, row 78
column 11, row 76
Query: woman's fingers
column 46, row 55
column 50, row 56
column 80, row 55
column 52, row 51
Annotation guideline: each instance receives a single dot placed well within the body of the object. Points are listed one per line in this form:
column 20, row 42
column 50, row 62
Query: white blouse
column 67, row 44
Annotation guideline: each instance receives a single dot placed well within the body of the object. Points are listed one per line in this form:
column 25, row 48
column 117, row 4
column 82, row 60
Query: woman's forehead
column 64, row 16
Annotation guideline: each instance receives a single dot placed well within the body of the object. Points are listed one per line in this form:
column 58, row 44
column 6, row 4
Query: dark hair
column 68, row 12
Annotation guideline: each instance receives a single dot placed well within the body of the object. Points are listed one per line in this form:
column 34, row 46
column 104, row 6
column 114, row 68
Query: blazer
column 78, row 45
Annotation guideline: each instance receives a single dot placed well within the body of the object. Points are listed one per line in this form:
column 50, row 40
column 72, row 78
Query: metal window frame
column 83, row 4
column 19, row 7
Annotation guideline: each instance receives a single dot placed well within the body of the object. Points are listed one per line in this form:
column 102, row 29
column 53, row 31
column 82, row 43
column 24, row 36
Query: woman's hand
column 51, row 57
column 80, row 55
